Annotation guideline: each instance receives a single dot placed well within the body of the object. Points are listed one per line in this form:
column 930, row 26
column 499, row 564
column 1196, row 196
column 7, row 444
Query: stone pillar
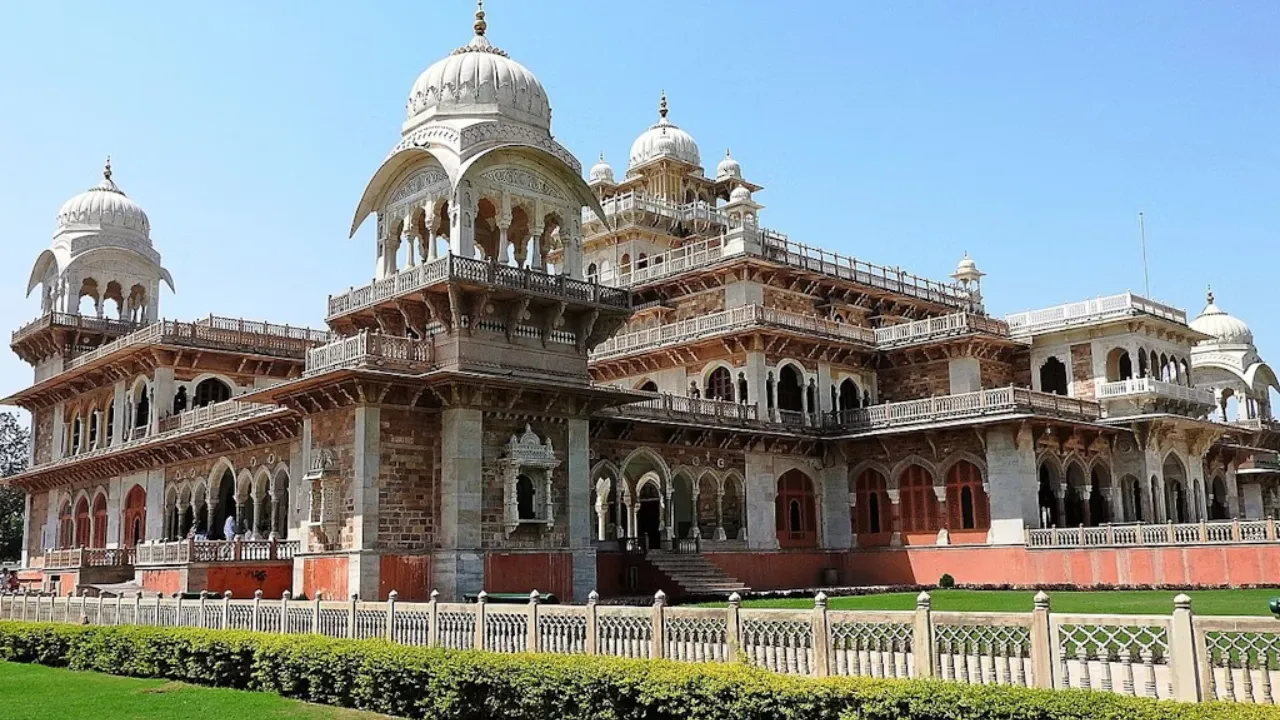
column 458, row 567
column 837, row 521
column 153, row 482
column 27, row 529
column 120, row 421
column 535, row 248
column 504, row 224
column 895, row 515
column 1013, row 484
column 410, row 241
column 363, row 566
column 59, row 432
column 462, row 236
column 761, row 494
column 719, row 533
column 115, row 512
column 162, row 389
column 580, row 509
column 571, row 236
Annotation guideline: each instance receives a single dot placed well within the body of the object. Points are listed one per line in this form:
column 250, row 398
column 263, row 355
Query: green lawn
column 1134, row 602
column 35, row 692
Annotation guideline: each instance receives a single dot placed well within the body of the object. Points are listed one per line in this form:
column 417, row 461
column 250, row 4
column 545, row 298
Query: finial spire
column 106, row 170
column 601, row 156
column 1208, row 295
column 662, row 106
column 480, row 25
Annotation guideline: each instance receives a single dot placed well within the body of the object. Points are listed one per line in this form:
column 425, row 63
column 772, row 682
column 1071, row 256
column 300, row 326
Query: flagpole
column 1146, row 276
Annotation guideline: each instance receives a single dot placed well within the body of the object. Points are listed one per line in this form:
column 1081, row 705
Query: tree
column 14, row 443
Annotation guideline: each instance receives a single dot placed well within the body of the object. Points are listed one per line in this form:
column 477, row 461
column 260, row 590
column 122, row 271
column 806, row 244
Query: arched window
column 524, row 498
column 1218, row 506
column 76, row 431
column 642, row 261
column 1099, row 512
column 850, row 397
column 99, row 539
column 1142, row 363
column 918, row 502
column 1119, row 365
column 790, row 389
column 968, row 507
column 110, row 426
column 742, row 388
column 720, row 385
column 1073, row 505
column 796, row 511
column 142, row 408
column 94, row 418
column 871, row 508
column 648, row 386
column 66, row 526
column 83, row 528
column 592, row 272
column 135, row 516
column 211, row 391
column 1053, row 377
column 180, row 400
column 624, row 264
column 1047, row 497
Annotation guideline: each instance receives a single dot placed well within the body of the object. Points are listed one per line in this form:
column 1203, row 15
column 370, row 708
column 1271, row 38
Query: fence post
column 591, row 640
column 351, row 615
column 1235, row 529
column 922, row 636
column 177, row 612
column 100, row 599
column 531, row 641
column 821, row 639
column 1182, row 652
column 1041, row 652
column 659, row 626
column 477, row 643
column 1271, row 528
column 732, row 632
column 159, row 602
column 391, row 615
column 257, row 602
column 433, row 616
column 226, row 609
column 285, row 597
column 120, row 597
column 1204, row 531
column 137, row 607
column 315, row 615
column 26, row 593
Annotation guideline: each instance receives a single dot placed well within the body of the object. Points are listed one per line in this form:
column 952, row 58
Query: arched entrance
column 1218, row 505
column 796, row 511
column 1073, row 503
column 1175, row 490
column 918, row 503
column 135, row 516
column 682, row 500
column 226, row 506
column 1047, row 498
column 871, row 513
column 790, row 389
column 1053, row 377
column 968, row 507
column 99, row 539
column 1099, row 512
column 83, row 535
column 649, row 515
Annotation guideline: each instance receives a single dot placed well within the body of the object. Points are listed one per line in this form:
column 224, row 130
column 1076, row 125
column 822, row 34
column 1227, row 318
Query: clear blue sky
column 1028, row 133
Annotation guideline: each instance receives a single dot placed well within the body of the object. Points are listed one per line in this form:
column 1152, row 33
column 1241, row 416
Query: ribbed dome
column 104, row 206
column 601, row 172
column 664, row 139
column 740, row 194
column 479, row 79
column 728, row 168
column 1225, row 328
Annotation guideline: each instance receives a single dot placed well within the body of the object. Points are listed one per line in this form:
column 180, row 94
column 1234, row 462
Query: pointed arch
column 646, row 454
column 962, row 456
column 913, row 460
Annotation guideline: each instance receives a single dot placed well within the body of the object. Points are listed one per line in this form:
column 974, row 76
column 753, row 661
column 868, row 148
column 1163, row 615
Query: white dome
column 740, row 194
column 728, row 167
column 601, row 172
column 967, row 270
column 664, row 139
column 104, row 206
column 1225, row 329
column 479, row 79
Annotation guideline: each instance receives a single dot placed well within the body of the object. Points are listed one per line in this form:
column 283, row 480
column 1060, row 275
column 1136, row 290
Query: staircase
column 694, row 574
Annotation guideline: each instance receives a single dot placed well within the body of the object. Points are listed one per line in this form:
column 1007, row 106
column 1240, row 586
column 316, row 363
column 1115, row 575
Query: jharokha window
column 871, row 514
column 919, row 503
column 795, row 511
column 967, row 505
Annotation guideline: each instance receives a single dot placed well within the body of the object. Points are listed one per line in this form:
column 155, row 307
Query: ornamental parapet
column 454, row 268
column 82, row 557
column 1142, row 535
column 964, row 406
column 1088, row 312
column 184, row 552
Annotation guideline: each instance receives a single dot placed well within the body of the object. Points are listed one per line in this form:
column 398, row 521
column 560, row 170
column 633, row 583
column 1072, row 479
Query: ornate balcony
column 939, row 328
column 453, row 268
column 1152, row 390
column 1088, row 312
column 73, row 322
column 726, row 321
column 82, row 557
column 369, row 350
column 964, row 406
column 184, row 552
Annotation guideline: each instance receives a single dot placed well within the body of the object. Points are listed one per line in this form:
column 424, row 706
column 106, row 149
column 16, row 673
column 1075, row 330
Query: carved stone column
column 535, row 249
column 410, row 240
column 720, row 534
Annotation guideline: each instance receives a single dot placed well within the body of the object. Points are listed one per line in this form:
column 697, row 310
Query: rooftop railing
column 1146, row 386
column 73, row 321
column 939, row 327
column 963, row 406
column 635, row 202
column 457, row 268
column 727, row 321
column 1087, row 312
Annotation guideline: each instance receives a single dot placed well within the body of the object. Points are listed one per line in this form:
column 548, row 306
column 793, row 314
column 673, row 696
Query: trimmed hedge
column 428, row 682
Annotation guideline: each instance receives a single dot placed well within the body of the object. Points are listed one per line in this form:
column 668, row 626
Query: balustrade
column 1140, row 534
column 182, row 552
column 1158, row 388
column 1094, row 310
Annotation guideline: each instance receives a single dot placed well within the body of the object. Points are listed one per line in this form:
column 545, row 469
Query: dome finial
column 106, row 169
column 480, row 25
column 662, row 106
column 1208, row 295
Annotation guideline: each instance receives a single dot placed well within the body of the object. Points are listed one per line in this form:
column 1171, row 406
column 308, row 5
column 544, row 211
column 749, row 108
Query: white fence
column 1138, row 534
column 1175, row 656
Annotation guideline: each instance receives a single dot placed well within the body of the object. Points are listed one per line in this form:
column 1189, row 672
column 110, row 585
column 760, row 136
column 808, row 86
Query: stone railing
column 70, row 558
column 182, row 552
column 671, row 262
column 1146, row 386
column 1228, row 532
column 674, row 407
column 731, row 320
column 1111, row 307
column 73, row 321
column 367, row 349
column 945, row 326
column 173, row 426
column 962, row 406
column 640, row 203
column 457, row 268
column 1178, row 656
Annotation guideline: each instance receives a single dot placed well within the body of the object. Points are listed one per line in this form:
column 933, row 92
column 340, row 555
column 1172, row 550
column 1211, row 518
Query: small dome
column 601, row 172
column 1225, row 329
column 740, row 194
column 967, row 270
column 104, row 206
column 664, row 139
column 479, row 79
column 728, row 167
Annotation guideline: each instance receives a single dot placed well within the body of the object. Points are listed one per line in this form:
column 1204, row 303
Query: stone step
column 695, row 575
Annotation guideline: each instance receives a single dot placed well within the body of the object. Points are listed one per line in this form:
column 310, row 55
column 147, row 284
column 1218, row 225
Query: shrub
column 946, row 582
column 428, row 682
